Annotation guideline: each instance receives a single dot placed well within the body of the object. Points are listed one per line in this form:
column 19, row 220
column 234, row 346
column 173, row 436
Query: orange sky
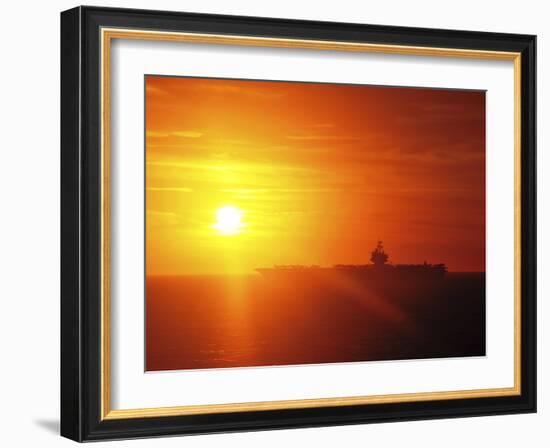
column 320, row 172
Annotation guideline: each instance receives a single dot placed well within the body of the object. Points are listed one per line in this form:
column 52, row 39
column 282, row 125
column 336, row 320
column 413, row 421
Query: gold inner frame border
column 107, row 35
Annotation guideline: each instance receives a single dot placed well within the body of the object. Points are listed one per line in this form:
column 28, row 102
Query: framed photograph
column 273, row 223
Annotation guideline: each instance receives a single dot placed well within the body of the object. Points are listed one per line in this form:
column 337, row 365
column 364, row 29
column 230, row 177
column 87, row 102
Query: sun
column 228, row 220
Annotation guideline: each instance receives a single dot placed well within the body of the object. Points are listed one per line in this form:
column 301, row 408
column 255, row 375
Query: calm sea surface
column 197, row 322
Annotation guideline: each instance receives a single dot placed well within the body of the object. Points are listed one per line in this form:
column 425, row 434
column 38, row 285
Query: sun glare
column 228, row 220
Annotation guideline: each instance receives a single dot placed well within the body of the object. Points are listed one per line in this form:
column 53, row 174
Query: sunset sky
column 316, row 172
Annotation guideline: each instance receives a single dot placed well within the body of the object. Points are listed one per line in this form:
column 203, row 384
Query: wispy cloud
column 234, row 168
column 158, row 134
column 152, row 89
column 315, row 137
column 157, row 219
column 175, row 189
column 246, row 90
column 279, row 190
column 186, row 133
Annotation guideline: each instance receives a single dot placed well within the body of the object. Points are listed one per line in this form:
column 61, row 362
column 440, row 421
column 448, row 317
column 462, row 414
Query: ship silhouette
column 379, row 272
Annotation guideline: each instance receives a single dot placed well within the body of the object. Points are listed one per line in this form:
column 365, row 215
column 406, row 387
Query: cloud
column 232, row 168
column 323, row 137
column 279, row 190
column 175, row 189
column 248, row 89
column 158, row 134
column 161, row 219
column 151, row 89
column 186, row 133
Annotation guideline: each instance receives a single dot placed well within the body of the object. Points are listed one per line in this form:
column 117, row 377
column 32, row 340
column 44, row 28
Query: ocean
column 200, row 322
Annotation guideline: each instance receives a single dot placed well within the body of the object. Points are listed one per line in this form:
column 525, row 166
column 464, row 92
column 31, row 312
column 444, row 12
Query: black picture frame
column 81, row 230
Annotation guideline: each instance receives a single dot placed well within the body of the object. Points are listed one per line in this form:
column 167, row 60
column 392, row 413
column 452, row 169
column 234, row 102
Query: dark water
column 212, row 321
